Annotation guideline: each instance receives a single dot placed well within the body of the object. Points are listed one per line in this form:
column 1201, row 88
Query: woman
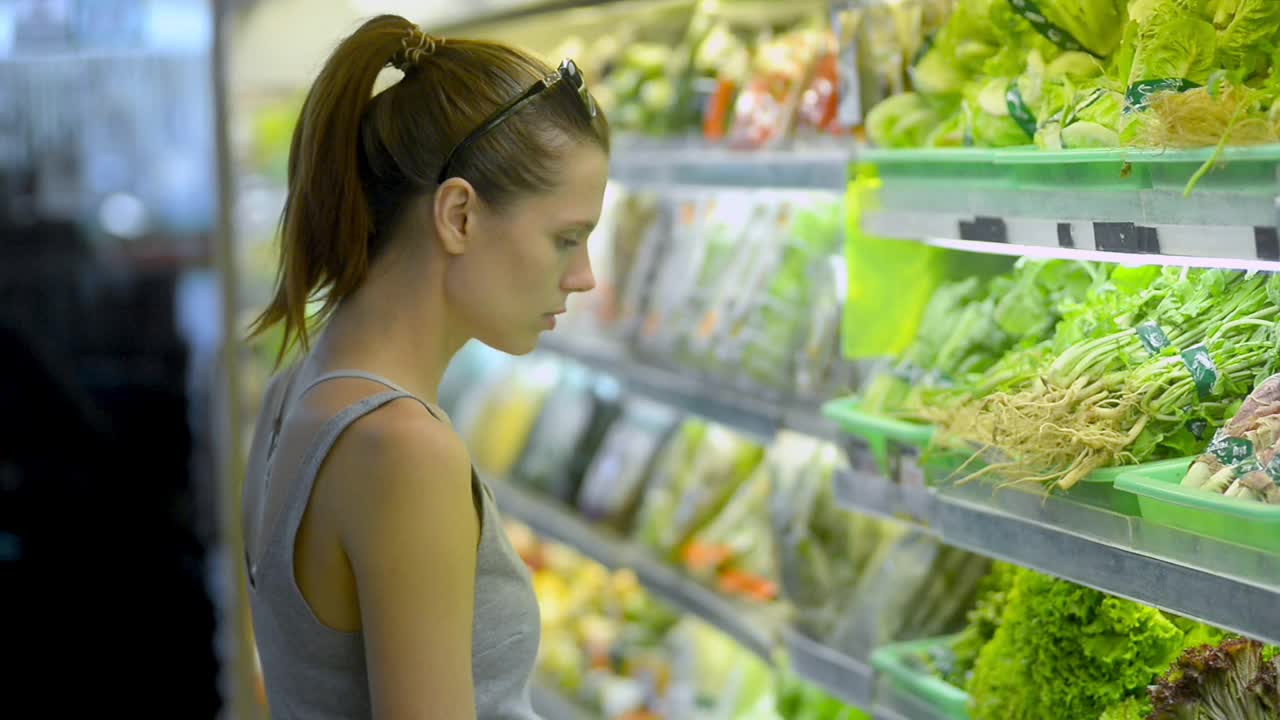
column 453, row 205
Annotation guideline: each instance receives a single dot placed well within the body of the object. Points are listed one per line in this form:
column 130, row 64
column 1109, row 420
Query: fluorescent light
column 1040, row 252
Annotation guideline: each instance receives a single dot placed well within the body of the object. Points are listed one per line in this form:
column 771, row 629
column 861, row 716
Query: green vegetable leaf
column 1245, row 30
column 1095, row 24
column 1174, row 45
column 1065, row 651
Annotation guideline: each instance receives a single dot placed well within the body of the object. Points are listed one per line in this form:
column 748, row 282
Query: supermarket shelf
column 666, row 165
column 736, row 406
column 548, row 702
column 754, row 629
column 1232, row 248
column 444, row 17
column 846, row 678
column 1225, row 585
column 873, row 494
column 1118, row 205
column 554, row 522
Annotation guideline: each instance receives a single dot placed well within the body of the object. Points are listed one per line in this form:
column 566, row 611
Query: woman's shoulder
column 400, row 434
column 395, row 457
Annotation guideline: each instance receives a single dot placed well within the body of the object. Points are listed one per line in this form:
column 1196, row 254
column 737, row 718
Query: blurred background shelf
column 553, row 522
column 758, row 412
column 665, row 164
column 754, row 629
column 551, row 703
column 847, row 678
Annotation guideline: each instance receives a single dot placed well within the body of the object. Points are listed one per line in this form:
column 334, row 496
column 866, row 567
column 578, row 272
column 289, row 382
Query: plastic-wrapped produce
column 822, row 549
column 510, row 405
column 916, row 587
column 549, row 462
column 697, row 474
column 615, row 479
column 735, row 550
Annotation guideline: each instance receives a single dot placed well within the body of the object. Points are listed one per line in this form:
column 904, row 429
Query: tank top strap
column 432, row 408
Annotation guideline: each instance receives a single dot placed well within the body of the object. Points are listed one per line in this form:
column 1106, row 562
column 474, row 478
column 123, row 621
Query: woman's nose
column 580, row 278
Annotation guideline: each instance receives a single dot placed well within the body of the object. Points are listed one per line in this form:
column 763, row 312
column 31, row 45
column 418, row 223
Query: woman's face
column 510, row 283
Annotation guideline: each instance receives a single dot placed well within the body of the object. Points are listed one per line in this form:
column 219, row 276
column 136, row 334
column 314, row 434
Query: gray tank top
column 314, row 672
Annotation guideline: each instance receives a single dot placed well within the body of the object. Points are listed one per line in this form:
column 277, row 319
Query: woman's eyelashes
column 565, row 242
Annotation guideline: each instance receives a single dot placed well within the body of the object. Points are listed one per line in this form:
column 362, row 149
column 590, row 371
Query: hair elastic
column 415, row 46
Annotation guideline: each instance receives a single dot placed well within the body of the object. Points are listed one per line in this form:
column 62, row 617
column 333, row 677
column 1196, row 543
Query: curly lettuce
column 1066, row 651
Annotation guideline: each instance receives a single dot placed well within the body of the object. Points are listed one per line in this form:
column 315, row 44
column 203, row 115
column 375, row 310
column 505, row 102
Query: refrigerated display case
column 898, row 275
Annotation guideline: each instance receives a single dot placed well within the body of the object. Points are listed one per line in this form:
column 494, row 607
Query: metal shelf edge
column 1214, row 599
column 801, row 169
column 848, row 679
column 733, row 406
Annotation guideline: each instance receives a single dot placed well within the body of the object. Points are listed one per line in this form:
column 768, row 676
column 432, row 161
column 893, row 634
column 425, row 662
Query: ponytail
column 326, row 224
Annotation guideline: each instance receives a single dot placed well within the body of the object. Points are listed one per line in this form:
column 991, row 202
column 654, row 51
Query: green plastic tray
column 943, row 699
column 885, row 437
column 870, row 426
column 1165, row 502
column 1239, row 169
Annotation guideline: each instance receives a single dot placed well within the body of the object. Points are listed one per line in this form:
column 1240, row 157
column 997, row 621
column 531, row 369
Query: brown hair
column 357, row 159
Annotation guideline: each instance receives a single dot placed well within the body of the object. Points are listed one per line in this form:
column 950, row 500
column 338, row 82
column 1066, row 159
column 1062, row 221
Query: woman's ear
column 456, row 203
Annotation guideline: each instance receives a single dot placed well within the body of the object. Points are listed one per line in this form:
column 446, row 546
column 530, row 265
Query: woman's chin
column 512, row 345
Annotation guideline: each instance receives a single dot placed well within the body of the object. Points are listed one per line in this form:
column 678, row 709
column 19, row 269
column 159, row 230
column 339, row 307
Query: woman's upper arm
column 410, row 534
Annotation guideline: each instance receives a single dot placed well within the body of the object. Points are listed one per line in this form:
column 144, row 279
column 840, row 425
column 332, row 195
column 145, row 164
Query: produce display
column 1090, row 74
column 737, row 79
column 1036, row 646
column 738, row 284
column 1237, row 679
column 1059, row 369
column 1241, row 460
column 621, row 654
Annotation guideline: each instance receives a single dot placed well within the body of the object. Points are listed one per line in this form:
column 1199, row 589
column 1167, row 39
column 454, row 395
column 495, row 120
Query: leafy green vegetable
column 1066, row 651
column 1089, row 135
column 1229, row 682
column 1245, row 29
column 983, row 621
column 901, row 121
column 1096, row 24
column 1173, row 45
column 1075, row 66
column 1131, row 709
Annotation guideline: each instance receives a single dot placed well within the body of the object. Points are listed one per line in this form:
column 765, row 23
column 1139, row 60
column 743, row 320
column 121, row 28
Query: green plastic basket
column 885, row 437
column 1165, row 502
column 1028, row 182
column 848, row 414
column 893, row 663
column 1101, row 169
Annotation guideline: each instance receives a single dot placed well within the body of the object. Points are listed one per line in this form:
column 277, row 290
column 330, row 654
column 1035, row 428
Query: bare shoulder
column 399, row 459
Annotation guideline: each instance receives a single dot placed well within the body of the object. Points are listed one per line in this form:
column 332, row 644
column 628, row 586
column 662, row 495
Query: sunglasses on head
column 567, row 72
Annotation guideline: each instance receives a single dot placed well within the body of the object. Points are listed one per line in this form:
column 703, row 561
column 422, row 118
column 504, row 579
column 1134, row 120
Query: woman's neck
column 395, row 326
